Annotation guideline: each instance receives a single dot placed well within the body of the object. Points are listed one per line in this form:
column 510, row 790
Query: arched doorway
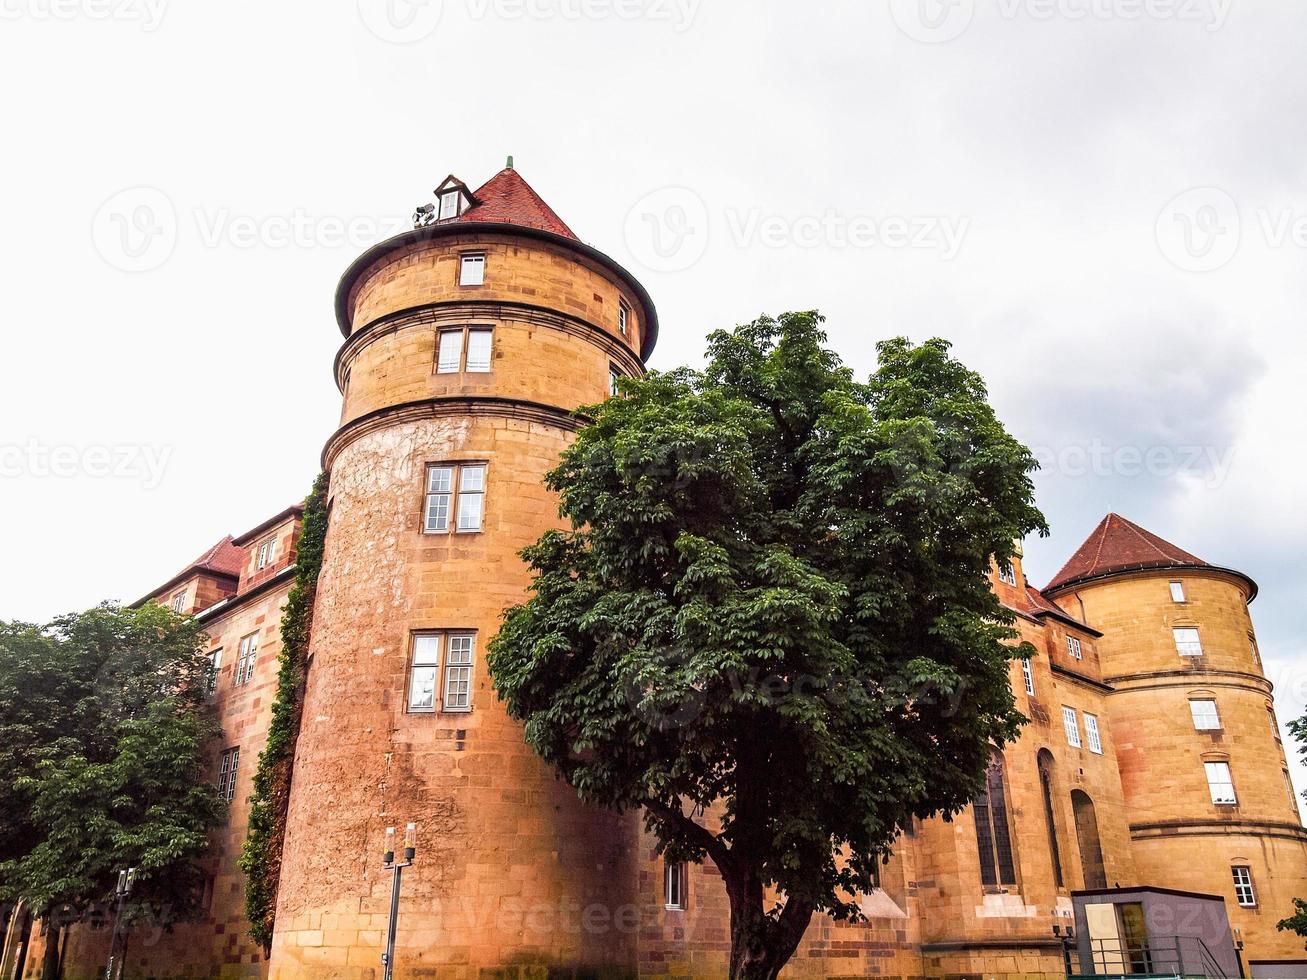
column 1045, row 759
column 1091, row 848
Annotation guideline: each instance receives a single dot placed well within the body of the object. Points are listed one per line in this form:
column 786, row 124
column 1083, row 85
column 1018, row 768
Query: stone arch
column 1091, row 847
column 1044, row 759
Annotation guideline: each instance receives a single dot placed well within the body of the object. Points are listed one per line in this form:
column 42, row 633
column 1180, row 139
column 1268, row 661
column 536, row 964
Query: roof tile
column 1117, row 545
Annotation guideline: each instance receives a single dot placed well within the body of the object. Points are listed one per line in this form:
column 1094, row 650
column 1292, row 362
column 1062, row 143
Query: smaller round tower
column 1208, row 795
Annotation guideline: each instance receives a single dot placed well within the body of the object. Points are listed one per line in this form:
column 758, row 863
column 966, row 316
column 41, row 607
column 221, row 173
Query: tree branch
column 700, row 835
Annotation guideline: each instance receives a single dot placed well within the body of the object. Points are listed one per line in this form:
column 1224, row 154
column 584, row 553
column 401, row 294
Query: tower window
column 1243, row 886
column 674, row 884
column 1220, row 783
column 1073, row 648
column 424, row 671
column 458, row 673
column 1275, row 725
column 1177, row 592
column 623, row 317
column 179, row 601
column 449, row 205
column 227, row 774
column 1007, row 574
column 1071, row 726
column 1187, row 641
column 1206, row 717
column 1091, row 734
column 464, row 349
column 214, row 665
column 248, row 652
column 1028, row 675
column 472, row 269
column 993, row 838
column 468, row 503
column 267, row 551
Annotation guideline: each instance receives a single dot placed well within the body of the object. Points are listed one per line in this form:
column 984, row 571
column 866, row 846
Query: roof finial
column 509, row 165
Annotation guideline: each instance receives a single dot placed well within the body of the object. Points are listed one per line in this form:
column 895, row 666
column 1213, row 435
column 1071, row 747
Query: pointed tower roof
column 1120, row 545
column 509, row 199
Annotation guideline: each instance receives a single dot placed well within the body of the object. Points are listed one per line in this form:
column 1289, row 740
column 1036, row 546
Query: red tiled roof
column 1118, row 545
column 509, row 199
column 224, row 558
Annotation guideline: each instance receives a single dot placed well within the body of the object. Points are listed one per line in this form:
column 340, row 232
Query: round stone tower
column 1208, row 795
column 469, row 342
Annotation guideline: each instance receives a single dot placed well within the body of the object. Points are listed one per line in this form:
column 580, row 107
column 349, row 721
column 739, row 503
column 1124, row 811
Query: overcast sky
column 1100, row 202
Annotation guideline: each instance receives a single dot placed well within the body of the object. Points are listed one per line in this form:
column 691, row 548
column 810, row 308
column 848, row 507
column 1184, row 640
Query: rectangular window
column 1073, row 648
column 1257, row 657
column 248, row 652
column 449, row 205
column 1091, row 734
column 1288, row 784
column 1243, row 886
column 1187, row 642
column 1028, row 674
column 613, row 375
column 424, row 672
column 227, row 774
column 1071, row 726
column 472, row 270
column 1008, row 575
column 1206, row 717
column 464, row 349
column 1220, row 782
column 1275, row 725
column 674, row 885
column 458, row 673
column 215, row 664
column 468, row 503
column 623, row 316
column 179, row 601
column 1177, row 592
column 450, row 353
column 267, row 551
column 478, row 349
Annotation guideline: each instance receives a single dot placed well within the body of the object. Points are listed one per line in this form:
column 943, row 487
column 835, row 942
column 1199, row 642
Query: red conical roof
column 1118, row 545
column 509, row 199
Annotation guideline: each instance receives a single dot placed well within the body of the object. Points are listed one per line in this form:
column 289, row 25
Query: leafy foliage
column 261, row 855
column 1298, row 921
column 773, row 605
column 106, row 734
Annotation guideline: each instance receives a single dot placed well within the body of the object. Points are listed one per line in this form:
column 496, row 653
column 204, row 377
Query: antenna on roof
column 509, row 165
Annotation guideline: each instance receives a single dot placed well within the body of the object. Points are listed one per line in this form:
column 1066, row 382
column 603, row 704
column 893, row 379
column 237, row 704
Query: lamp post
column 396, row 869
column 121, row 891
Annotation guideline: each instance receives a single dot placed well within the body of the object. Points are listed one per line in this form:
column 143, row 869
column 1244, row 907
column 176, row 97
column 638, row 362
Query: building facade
column 1152, row 758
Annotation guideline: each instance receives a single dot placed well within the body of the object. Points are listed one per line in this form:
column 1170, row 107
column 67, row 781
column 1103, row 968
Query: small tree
column 773, row 607
column 117, row 776
column 1298, row 921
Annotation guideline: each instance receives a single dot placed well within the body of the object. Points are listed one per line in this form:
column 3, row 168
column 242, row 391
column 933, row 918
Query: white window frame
column 1188, row 641
column 449, row 205
column 456, row 695
column 1244, row 893
column 472, row 269
column 623, row 317
column 1205, row 720
column 1219, row 778
column 228, row 766
column 214, row 657
column 1092, row 734
column 1008, row 576
column 247, row 654
column 424, row 667
column 1028, row 675
column 1177, row 592
column 179, row 600
column 674, row 886
column 1071, row 726
column 454, row 350
column 266, row 552
column 447, row 485
column 613, row 375
column 1074, row 647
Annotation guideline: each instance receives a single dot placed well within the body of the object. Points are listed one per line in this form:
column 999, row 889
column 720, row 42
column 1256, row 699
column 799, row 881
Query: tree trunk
column 50, row 959
column 762, row 945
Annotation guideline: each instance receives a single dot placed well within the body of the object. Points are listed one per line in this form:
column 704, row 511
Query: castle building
column 1151, row 772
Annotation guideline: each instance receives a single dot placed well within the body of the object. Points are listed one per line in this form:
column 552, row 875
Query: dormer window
column 179, row 601
column 1007, row 575
column 449, row 204
column 267, row 551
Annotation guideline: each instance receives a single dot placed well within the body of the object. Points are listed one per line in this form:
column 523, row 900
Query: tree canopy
column 773, row 608
column 105, row 743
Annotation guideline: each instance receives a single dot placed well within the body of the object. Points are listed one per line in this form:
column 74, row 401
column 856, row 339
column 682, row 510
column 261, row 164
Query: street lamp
column 396, row 869
column 121, row 891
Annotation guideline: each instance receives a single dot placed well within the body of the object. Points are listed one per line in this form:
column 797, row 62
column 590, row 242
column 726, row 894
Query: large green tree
column 770, row 626
column 106, row 740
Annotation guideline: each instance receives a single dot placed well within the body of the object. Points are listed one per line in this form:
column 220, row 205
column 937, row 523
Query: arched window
column 993, row 838
column 1046, row 784
column 1091, row 848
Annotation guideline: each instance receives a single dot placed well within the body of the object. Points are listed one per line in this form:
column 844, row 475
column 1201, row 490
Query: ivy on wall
column 261, row 856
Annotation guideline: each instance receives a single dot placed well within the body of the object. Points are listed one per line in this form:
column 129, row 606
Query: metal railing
column 1159, row 956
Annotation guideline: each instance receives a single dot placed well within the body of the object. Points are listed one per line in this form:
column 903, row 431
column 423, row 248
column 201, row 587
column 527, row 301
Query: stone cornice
column 1151, row 680
column 450, row 312
column 1217, row 828
column 443, row 408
